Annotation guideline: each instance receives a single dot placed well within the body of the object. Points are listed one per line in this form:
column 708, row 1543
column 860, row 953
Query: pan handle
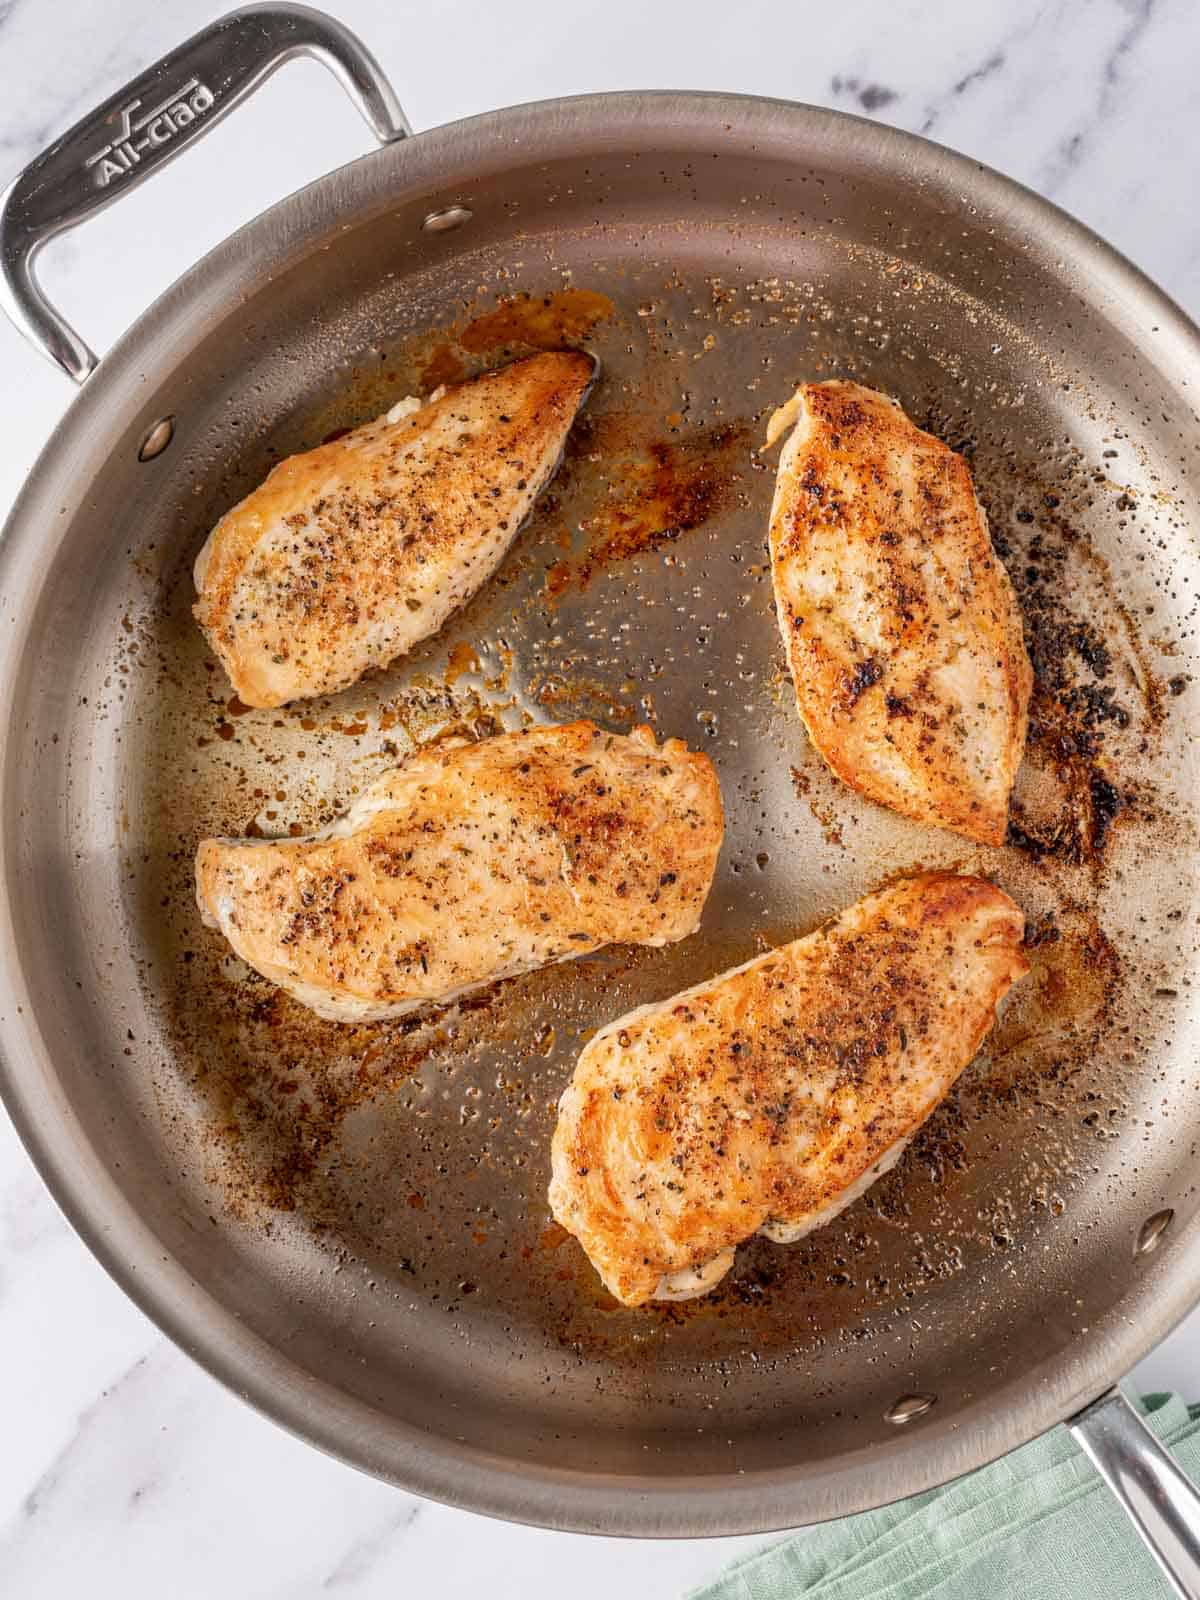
column 1162, row 1504
column 149, row 123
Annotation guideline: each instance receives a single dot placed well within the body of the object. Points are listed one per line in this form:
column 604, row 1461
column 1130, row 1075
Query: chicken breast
column 474, row 862
column 902, row 631
column 350, row 554
column 769, row 1098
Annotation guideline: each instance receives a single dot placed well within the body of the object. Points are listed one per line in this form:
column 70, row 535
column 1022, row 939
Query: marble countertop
column 125, row 1469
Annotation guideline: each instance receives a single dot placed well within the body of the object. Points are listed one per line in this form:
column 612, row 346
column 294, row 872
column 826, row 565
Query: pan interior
column 371, row 1200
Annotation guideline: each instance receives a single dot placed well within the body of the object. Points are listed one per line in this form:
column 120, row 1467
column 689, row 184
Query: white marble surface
column 124, row 1469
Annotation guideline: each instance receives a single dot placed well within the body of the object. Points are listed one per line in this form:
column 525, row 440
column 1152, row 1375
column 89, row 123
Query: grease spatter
column 462, row 660
column 666, row 489
column 537, row 322
column 1056, row 1017
column 442, row 366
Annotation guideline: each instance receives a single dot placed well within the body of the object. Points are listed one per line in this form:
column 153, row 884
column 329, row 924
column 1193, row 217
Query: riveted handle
column 1162, row 1504
column 148, row 123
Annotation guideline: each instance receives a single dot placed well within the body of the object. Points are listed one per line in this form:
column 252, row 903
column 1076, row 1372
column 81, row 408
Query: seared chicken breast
column 769, row 1098
column 350, row 554
column 473, row 862
column 901, row 628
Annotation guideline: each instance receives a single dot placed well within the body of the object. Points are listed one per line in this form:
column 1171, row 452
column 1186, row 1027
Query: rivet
column 1152, row 1231
column 909, row 1406
column 449, row 219
column 157, row 439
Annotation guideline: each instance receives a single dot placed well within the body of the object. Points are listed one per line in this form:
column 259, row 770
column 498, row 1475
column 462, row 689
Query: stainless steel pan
column 348, row 1226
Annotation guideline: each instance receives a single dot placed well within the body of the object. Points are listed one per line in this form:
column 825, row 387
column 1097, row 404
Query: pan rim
column 72, row 1168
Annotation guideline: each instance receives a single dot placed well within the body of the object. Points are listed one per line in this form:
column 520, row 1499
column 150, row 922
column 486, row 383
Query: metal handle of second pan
column 1162, row 1504
column 151, row 121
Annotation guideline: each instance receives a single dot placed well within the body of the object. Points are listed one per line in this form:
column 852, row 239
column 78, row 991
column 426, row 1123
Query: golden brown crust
column 902, row 630
column 472, row 862
column 766, row 1094
column 349, row 554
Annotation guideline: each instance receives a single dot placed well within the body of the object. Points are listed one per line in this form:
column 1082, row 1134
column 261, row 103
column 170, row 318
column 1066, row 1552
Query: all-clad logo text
column 147, row 132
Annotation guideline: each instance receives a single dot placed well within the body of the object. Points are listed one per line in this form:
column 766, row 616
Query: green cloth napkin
column 1037, row 1525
